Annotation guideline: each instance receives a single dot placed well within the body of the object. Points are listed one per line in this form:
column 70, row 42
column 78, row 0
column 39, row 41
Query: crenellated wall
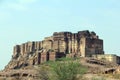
column 83, row 43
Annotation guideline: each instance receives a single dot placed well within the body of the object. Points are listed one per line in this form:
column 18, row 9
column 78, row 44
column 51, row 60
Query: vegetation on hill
column 64, row 69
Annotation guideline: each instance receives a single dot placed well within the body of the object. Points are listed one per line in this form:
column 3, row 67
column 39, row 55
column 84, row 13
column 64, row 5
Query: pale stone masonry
column 108, row 57
column 82, row 44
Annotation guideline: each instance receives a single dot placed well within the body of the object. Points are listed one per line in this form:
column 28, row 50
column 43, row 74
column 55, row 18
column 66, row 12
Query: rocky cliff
column 83, row 43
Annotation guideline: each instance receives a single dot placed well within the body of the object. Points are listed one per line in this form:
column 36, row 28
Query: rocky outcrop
column 83, row 43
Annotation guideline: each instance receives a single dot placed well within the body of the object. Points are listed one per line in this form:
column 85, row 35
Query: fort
column 60, row 44
column 84, row 47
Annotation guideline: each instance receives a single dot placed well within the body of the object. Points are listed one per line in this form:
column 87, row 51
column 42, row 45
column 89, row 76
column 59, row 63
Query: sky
column 32, row 20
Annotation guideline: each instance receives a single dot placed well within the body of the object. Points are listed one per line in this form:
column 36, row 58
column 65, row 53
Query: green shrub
column 45, row 73
column 67, row 70
column 64, row 59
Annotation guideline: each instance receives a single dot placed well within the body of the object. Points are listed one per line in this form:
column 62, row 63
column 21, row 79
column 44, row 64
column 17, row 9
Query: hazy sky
column 32, row 20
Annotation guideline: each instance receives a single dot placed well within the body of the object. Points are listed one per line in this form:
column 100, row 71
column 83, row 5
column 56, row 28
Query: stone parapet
column 60, row 44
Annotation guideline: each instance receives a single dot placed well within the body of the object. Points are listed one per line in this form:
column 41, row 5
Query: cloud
column 16, row 6
column 21, row 5
column 8, row 7
column 26, row 1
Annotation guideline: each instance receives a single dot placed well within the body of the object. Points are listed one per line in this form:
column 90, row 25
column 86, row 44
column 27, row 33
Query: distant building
column 84, row 43
column 60, row 44
column 108, row 57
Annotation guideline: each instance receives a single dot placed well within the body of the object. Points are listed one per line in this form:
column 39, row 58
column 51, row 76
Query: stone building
column 108, row 57
column 82, row 43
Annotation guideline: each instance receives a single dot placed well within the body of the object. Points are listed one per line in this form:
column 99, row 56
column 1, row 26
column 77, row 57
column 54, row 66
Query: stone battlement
column 65, row 42
column 82, row 43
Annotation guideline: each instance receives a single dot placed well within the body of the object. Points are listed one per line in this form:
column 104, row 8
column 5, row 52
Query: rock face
column 83, row 43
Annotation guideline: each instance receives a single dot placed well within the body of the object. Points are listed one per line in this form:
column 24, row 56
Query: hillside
column 80, row 69
column 62, row 56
